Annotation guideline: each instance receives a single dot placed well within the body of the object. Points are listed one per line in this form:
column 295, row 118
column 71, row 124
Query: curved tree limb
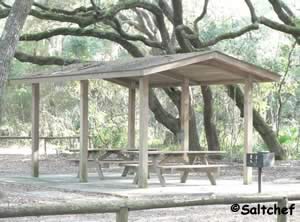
column 183, row 42
column 131, row 48
column 252, row 11
column 276, row 4
column 167, row 10
column 96, row 8
column 230, row 35
column 156, row 11
column 144, row 24
column 198, row 19
column 287, row 9
column 280, row 27
column 44, row 60
column 117, row 26
column 161, row 115
column 286, row 15
column 4, row 13
column 81, row 9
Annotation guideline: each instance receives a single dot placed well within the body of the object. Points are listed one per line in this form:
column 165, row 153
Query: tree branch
column 4, row 13
column 183, row 42
column 146, row 23
column 280, row 27
column 287, row 9
column 198, row 19
column 230, row 35
column 117, row 26
column 131, row 48
column 161, row 115
column 280, row 13
column 156, row 11
column 44, row 60
column 62, row 11
column 167, row 10
column 96, row 8
column 252, row 11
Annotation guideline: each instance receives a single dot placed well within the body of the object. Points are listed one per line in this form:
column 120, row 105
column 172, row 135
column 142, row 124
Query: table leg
column 136, row 178
column 211, row 177
column 159, row 171
column 161, row 177
column 204, row 158
column 184, row 176
column 125, row 171
column 99, row 170
column 103, row 157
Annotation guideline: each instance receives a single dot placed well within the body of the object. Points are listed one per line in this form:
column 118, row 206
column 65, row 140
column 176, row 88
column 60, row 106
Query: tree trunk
column 209, row 125
column 259, row 124
column 173, row 124
column 10, row 37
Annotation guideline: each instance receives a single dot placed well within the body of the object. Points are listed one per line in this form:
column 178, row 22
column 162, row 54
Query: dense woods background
column 265, row 33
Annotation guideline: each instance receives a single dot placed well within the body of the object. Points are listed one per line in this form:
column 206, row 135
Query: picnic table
column 185, row 161
column 98, row 158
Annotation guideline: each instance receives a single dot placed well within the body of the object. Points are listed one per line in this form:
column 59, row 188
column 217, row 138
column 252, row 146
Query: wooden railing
column 122, row 206
column 46, row 139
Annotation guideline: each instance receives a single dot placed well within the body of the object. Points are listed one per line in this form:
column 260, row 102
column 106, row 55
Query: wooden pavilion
column 200, row 68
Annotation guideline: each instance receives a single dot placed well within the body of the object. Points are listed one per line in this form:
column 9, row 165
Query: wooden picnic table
column 102, row 154
column 98, row 158
column 184, row 160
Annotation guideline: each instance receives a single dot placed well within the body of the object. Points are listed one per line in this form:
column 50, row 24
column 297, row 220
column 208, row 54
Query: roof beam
column 176, row 76
column 221, row 82
column 120, row 82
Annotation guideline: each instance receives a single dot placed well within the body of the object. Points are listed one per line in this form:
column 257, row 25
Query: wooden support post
column 284, row 203
column 143, row 146
column 248, row 125
column 45, row 148
column 185, row 103
column 35, row 128
column 122, row 215
column 131, row 118
column 84, row 133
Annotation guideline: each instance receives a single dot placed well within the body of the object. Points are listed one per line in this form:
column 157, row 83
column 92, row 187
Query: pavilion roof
column 206, row 67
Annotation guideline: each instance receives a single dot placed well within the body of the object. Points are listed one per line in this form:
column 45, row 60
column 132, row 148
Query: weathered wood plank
column 144, row 116
column 248, row 127
column 84, row 131
column 35, row 128
column 185, row 103
column 91, row 206
column 196, row 166
column 131, row 118
column 122, row 215
column 283, row 204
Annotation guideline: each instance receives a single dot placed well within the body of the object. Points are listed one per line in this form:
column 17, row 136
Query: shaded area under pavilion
column 184, row 70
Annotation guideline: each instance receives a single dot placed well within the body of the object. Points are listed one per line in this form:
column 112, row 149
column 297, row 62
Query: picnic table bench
column 90, row 164
column 207, row 168
column 185, row 161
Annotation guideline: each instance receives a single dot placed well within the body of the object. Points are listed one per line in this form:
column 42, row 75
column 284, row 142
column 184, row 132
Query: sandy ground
column 17, row 163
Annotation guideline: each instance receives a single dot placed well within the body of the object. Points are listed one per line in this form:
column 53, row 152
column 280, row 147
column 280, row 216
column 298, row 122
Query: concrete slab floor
column 114, row 184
